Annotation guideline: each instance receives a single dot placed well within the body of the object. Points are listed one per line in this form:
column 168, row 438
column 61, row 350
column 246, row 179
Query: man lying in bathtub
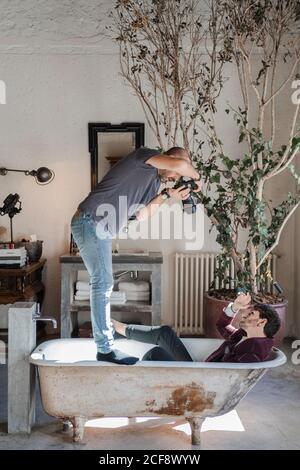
column 251, row 342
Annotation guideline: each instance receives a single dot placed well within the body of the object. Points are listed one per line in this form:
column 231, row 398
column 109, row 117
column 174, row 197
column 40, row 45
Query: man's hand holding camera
column 180, row 194
column 241, row 302
column 182, row 190
column 199, row 185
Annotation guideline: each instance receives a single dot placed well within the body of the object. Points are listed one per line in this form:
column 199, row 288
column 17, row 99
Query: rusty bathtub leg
column 66, row 425
column 195, row 424
column 78, row 428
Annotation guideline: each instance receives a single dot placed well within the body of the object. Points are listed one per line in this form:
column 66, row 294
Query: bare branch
column 269, row 251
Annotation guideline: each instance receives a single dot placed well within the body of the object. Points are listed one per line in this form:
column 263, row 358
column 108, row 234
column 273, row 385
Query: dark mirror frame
column 94, row 128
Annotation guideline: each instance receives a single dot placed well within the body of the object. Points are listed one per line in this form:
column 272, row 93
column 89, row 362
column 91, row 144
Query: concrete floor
column 267, row 418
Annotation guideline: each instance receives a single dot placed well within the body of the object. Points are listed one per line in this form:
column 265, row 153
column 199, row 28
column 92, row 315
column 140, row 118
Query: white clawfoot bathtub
column 75, row 386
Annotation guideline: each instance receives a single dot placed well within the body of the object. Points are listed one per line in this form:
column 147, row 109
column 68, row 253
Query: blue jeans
column 169, row 345
column 96, row 253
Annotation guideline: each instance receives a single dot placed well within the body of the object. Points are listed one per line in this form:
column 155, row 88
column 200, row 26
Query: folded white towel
column 113, row 299
column 82, row 292
column 139, row 296
column 13, row 262
column 134, row 286
column 114, row 293
column 82, row 285
column 117, row 301
column 118, row 294
column 138, row 293
column 81, row 297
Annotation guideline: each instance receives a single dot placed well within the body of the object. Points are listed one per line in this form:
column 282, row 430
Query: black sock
column 118, row 357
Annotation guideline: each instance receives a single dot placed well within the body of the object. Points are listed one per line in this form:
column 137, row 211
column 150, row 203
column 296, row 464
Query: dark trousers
column 169, row 346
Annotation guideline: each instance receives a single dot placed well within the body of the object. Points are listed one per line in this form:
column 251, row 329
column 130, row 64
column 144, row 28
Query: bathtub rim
column 279, row 360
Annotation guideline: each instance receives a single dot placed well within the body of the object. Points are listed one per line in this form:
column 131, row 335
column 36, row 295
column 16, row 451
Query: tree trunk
column 253, row 268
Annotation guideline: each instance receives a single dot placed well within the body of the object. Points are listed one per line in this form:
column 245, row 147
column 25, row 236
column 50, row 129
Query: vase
column 33, row 249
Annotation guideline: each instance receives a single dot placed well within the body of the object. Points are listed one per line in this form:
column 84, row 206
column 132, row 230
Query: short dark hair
column 272, row 317
column 178, row 152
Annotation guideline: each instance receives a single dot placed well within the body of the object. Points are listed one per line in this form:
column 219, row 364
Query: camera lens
column 189, row 205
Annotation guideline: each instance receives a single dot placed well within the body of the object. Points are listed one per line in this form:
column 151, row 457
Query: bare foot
column 119, row 327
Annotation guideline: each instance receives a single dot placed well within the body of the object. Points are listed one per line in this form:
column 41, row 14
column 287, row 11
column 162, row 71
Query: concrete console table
column 71, row 264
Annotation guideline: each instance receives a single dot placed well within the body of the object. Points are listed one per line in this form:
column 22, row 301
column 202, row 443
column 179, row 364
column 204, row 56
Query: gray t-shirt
column 128, row 184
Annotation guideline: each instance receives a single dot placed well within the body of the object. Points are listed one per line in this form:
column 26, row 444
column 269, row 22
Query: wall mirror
column 108, row 143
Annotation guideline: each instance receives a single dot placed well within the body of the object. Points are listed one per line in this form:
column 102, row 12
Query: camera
column 189, row 205
column 9, row 205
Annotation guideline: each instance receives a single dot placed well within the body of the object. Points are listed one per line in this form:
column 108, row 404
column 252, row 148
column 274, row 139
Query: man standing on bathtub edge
column 135, row 179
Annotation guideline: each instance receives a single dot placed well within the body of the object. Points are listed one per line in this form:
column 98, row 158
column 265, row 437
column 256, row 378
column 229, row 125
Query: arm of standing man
column 149, row 210
column 179, row 165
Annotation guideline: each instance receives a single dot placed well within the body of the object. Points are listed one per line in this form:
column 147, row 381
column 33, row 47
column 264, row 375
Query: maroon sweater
column 249, row 350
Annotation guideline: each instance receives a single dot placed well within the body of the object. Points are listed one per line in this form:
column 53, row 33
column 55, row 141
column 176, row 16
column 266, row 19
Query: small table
column 23, row 284
column 71, row 264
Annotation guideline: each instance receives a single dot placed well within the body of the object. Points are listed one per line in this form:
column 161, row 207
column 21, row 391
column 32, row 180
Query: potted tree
column 261, row 38
column 173, row 55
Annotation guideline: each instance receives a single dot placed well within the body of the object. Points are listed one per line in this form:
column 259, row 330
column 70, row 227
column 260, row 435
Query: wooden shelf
column 152, row 257
column 24, row 271
column 149, row 263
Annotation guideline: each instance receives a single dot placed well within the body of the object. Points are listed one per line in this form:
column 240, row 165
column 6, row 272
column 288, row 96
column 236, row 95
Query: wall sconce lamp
column 42, row 175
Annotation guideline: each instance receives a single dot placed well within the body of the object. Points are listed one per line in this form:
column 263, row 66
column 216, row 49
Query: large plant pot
column 212, row 309
column 34, row 250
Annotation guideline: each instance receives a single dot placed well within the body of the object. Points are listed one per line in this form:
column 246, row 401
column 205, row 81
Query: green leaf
column 256, row 240
column 247, row 161
column 242, row 136
column 263, row 231
column 238, row 202
column 215, row 178
column 228, row 162
column 295, row 142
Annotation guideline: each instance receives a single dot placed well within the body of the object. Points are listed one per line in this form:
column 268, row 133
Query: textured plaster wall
column 296, row 259
column 61, row 73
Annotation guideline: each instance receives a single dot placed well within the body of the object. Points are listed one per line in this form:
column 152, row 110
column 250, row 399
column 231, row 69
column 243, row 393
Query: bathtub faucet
column 52, row 319
column 133, row 274
column 37, row 317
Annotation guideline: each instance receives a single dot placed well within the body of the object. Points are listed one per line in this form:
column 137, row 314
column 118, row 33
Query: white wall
column 61, row 74
column 296, row 255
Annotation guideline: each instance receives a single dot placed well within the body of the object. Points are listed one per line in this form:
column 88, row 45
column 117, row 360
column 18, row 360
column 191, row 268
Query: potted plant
column 173, row 55
column 260, row 40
